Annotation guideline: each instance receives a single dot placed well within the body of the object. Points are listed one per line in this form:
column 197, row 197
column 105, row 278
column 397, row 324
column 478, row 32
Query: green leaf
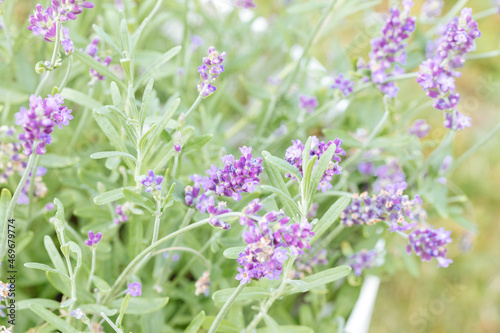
column 196, row 144
column 233, row 252
column 141, row 305
column 97, row 309
column 116, row 96
column 125, row 36
column 54, row 255
column 307, row 181
column 299, row 285
column 284, row 166
column 106, row 38
column 123, row 308
column 320, row 169
column 329, row 217
column 160, row 126
column 43, row 302
column 75, row 248
column 52, row 319
column 168, row 198
column 106, row 154
column 43, row 267
column 159, row 62
column 54, row 161
column 80, row 98
column 247, row 294
column 465, row 222
column 322, row 278
column 139, row 200
column 272, row 325
column 110, row 196
column 306, row 152
column 145, row 101
column 283, row 197
column 225, row 325
column 5, row 198
column 99, row 67
column 108, row 129
column 196, row 323
column 100, row 284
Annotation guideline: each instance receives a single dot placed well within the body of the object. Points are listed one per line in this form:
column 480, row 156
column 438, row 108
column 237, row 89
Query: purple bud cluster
column 388, row 52
column 93, row 238
column 437, row 74
column 210, row 70
column 389, row 205
column 245, row 3
column 308, row 103
column 432, row 9
column 207, row 205
column 270, row 239
column 342, row 83
column 390, row 173
column 121, row 216
column 305, row 264
column 430, row 243
column 361, row 260
column 39, row 120
column 44, row 21
column 91, row 50
column 152, row 182
column 420, row 128
column 293, row 156
column 237, row 176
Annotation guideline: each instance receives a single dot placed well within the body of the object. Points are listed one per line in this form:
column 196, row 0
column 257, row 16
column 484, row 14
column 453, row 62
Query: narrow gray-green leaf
column 139, row 200
column 110, row 196
column 300, row 285
column 233, row 252
column 54, row 255
column 195, row 324
column 46, row 303
column 80, row 98
column 116, row 96
column 320, row 169
column 155, row 135
column 106, row 154
column 330, row 217
column 52, row 319
column 5, row 198
column 160, row 61
column 106, row 38
column 283, row 197
column 99, row 67
column 100, row 284
column 145, row 101
column 284, row 166
column 97, row 309
column 43, row 267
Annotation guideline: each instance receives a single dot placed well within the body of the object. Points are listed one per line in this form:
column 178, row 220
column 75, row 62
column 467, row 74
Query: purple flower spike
column 420, row 128
column 91, row 50
column 39, row 120
column 210, row 70
column 293, row 156
column 93, row 238
column 121, row 216
column 430, row 243
column 134, row 289
column 309, row 103
column 362, row 260
column 245, row 3
column 152, row 182
column 432, row 9
column 345, row 85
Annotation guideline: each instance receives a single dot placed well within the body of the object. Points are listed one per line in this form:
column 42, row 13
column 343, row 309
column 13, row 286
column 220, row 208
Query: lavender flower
column 152, row 182
column 91, row 50
column 66, row 42
column 420, row 128
column 430, row 243
column 388, row 52
column 202, row 285
column 305, row 263
column 134, row 289
column 308, row 103
column 294, row 157
column 196, row 42
column 207, row 204
column 390, row 173
column 39, row 120
column 362, row 260
column 93, row 238
column 437, row 74
column 432, row 9
column 39, row 190
column 270, row 239
column 345, row 85
column 366, row 168
column 245, row 3
column 389, row 205
column 78, row 314
column 210, row 70
column 237, row 176
column 120, row 212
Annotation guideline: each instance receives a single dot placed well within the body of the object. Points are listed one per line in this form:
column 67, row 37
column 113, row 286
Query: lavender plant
column 320, row 157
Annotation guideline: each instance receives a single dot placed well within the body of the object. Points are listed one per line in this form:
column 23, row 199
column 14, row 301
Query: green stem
column 110, row 323
column 485, row 13
column 195, row 105
column 31, row 190
column 92, row 268
column 156, row 229
column 186, row 249
column 132, row 265
column 225, row 308
column 66, row 76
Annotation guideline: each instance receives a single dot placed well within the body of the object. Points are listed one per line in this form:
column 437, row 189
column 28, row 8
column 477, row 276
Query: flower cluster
column 39, row 120
column 294, row 157
column 342, row 83
column 390, row 173
column 432, row 9
column 420, row 128
column 305, row 263
column 245, row 3
column 210, row 70
column 430, row 243
column 308, row 103
column 152, row 182
column 237, row 176
column 202, row 285
column 388, row 51
column 269, row 239
column 39, row 189
column 134, row 289
column 362, row 260
column 93, row 238
column 91, row 50
column 437, row 74
column 45, row 21
column 207, row 204
column 121, row 216
column 389, row 205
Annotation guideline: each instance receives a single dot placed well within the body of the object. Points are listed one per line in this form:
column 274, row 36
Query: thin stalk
column 195, row 105
column 66, row 76
column 225, row 308
column 186, row 249
column 113, row 326
column 132, row 265
column 31, row 190
column 485, row 13
column 156, row 229
column 92, row 268
column 55, row 52
column 483, row 55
